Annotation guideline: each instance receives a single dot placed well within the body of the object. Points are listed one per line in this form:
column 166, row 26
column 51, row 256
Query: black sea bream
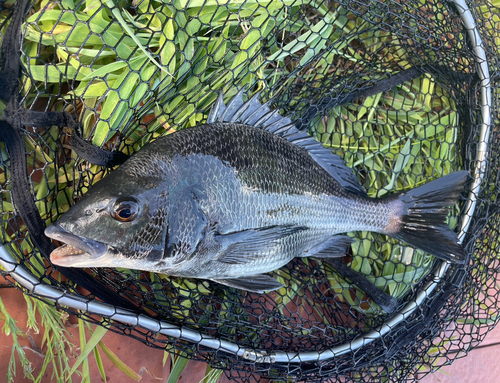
column 238, row 197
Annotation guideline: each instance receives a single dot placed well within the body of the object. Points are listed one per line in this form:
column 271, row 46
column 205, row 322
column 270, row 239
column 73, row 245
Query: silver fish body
column 236, row 198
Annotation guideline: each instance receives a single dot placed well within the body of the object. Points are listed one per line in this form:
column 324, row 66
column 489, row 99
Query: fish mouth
column 77, row 251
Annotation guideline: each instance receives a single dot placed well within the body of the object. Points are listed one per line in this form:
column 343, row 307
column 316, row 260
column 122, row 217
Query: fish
column 238, row 197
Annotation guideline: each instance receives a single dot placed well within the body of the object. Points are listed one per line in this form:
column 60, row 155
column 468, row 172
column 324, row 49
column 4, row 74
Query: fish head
column 116, row 224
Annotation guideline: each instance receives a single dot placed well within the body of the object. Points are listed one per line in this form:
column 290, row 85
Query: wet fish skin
column 183, row 181
column 227, row 201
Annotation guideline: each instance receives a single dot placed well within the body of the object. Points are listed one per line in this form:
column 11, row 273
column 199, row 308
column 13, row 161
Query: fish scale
column 238, row 197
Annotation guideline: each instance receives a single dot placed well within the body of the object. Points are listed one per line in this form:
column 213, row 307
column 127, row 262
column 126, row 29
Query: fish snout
column 77, row 250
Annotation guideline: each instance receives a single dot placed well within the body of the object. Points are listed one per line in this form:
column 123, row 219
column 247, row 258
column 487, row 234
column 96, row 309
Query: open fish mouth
column 77, row 251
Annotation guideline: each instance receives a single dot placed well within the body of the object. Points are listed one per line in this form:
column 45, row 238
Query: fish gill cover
column 395, row 89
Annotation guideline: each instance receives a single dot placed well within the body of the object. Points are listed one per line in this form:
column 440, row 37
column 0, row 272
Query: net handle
column 33, row 285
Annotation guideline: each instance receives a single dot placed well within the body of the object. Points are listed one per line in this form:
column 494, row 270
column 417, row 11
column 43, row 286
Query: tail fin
column 423, row 220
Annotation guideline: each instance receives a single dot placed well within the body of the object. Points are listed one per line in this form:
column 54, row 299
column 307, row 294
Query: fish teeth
column 68, row 250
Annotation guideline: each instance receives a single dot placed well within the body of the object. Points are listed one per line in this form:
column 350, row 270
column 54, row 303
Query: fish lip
column 91, row 248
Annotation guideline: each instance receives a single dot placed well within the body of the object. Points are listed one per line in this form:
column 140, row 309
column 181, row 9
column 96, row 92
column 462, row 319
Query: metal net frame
column 128, row 73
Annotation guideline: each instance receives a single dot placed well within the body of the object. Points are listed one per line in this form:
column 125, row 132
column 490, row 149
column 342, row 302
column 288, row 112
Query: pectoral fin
column 244, row 246
column 254, row 283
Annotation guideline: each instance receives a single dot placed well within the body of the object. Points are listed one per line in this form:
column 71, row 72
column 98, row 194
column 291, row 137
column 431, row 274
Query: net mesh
column 131, row 72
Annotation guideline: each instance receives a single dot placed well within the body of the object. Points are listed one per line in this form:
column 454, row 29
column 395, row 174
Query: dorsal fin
column 253, row 113
column 216, row 110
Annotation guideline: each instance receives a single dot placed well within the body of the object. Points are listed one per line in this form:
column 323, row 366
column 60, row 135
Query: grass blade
column 118, row 363
column 212, row 375
column 98, row 361
column 83, row 343
column 131, row 34
column 179, row 366
column 99, row 332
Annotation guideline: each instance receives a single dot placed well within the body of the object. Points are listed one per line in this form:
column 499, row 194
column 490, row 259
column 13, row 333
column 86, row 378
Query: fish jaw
column 77, row 251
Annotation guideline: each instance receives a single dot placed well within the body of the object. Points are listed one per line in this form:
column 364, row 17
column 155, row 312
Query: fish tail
column 421, row 218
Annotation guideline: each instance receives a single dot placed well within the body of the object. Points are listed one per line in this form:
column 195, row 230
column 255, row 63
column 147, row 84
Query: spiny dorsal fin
column 253, row 113
column 216, row 110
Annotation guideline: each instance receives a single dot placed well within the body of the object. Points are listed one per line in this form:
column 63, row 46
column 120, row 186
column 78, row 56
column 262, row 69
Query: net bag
column 404, row 92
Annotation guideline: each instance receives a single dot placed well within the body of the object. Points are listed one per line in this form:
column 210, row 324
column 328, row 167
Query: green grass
column 56, row 345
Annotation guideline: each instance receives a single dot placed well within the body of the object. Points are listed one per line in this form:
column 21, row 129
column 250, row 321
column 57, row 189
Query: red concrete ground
column 481, row 365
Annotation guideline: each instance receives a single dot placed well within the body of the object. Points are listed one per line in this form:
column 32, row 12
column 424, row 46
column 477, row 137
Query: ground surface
column 481, row 365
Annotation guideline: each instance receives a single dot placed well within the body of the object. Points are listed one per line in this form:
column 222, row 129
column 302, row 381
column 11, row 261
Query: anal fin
column 255, row 283
column 333, row 247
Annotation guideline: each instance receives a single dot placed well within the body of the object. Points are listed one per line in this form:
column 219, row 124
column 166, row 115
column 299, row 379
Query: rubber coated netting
column 396, row 88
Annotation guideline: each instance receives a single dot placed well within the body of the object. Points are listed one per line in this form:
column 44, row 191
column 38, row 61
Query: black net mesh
column 130, row 72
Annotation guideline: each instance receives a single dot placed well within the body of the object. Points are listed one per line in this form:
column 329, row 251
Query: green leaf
column 83, row 343
column 32, row 324
column 99, row 332
column 132, row 35
column 104, row 70
column 179, row 366
column 169, row 29
column 401, row 161
column 251, row 38
column 117, row 362
column 166, row 356
column 116, row 104
column 53, row 73
column 180, row 4
column 98, row 361
column 97, row 89
column 211, row 375
column 68, row 4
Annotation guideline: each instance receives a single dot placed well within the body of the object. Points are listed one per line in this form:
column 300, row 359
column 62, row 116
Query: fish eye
column 125, row 209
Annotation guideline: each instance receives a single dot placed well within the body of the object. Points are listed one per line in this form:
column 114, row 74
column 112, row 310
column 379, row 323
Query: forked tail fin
column 422, row 222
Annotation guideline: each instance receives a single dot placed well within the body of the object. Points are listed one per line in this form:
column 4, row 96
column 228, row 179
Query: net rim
column 34, row 286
